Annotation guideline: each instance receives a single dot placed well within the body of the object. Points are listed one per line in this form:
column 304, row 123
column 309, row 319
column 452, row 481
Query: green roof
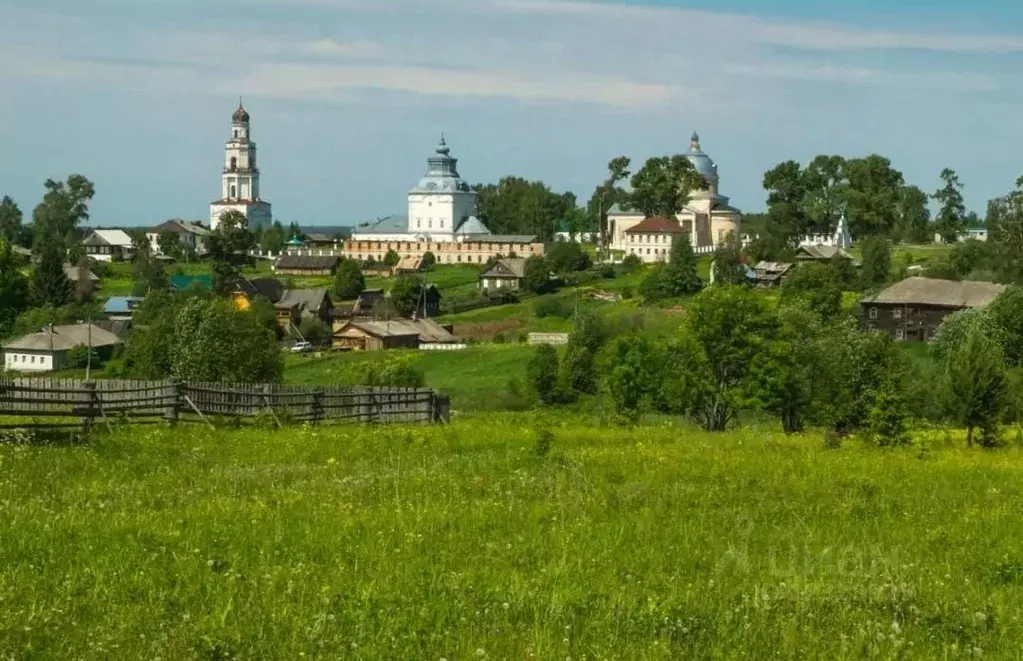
column 186, row 282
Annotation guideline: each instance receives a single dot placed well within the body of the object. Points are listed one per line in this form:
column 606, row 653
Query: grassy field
column 476, row 378
column 460, row 543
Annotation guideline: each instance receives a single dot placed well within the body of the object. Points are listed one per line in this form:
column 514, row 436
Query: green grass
column 458, row 543
column 476, row 378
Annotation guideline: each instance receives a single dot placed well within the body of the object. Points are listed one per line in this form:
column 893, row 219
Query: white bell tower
column 240, row 177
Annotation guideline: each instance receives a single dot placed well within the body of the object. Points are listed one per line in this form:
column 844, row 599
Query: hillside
column 458, row 542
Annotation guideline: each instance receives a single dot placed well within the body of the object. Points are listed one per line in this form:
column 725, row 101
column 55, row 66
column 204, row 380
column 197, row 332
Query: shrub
column 630, row 264
column 543, row 443
column 542, row 373
column 429, row 260
column 552, row 306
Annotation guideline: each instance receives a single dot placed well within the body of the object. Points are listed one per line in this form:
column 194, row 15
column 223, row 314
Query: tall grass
column 461, row 542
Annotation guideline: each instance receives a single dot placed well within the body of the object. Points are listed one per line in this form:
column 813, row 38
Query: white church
column 441, row 208
column 708, row 218
column 239, row 179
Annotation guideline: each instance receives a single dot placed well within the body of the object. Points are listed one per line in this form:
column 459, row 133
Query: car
column 301, row 347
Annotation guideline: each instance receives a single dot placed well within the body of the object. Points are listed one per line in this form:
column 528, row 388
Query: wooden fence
column 52, row 402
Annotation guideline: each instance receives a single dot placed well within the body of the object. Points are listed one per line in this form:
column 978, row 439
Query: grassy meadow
column 463, row 542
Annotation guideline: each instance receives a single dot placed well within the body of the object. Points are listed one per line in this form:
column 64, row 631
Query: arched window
column 236, row 133
column 233, row 191
column 234, row 163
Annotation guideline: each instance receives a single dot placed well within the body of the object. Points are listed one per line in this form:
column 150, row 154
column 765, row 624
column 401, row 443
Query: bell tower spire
column 240, row 175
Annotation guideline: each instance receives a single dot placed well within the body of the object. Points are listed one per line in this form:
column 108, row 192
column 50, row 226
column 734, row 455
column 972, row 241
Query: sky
column 349, row 97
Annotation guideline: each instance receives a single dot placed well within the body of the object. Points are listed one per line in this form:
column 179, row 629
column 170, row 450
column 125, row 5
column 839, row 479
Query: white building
column 651, row 238
column 190, row 234
column 707, row 218
column 978, row 233
column 239, row 180
column 108, row 245
column 840, row 238
column 441, row 208
column 47, row 350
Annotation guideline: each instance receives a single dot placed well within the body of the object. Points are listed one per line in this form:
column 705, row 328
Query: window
column 897, row 313
column 236, row 133
column 233, row 191
column 234, row 163
column 900, row 334
column 873, row 313
column 33, row 360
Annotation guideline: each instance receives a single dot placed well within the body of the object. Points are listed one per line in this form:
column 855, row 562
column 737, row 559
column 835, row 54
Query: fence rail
column 43, row 401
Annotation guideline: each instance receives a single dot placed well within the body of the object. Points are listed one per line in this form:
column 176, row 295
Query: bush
column 429, row 261
column 567, row 256
column 542, row 373
column 552, row 306
column 630, row 264
column 314, row 330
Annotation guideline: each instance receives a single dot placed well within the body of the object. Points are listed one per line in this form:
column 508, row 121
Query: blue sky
column 348, row 97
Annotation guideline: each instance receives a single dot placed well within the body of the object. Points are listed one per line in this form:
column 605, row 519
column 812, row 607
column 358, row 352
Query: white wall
column 257, row 214
column 438, row 213
column 23, row 362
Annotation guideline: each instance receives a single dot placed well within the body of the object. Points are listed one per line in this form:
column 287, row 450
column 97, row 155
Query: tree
column 787, row 371
column 677, row 278
column 227, row 247
column 630, row 375
column 786, row 220
column 609, row 193
column 817, row 286
column 728, row 266
column 1005, row 230
column 517, row 206
column 976, row 386
column 272, row 239
column 14, row 288
column 1006, row 313
column 914, row 216
column 314, row 329
column 406, row 294
column 724, row 331
column 50, row 284
column 950, row 222
column 578, row 368
column 169, row 244
column 150, row 274
column 853, row 367
column 872, row 197
column 536, row 275
column 11, row 230
column 887, row 420
column 214, row 342
column 567, row 256
column 957, row 327
column 348, row 281
column 64, row 206
column 542, row 374
column 661, row 188
column 392, row 258
column 824, row 183
column 877, row 262
column 429, row 261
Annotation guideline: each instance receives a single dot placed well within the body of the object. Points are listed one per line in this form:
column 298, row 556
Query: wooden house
column 108, row 245
column 307, row 265
column 770, row 274
column 816, row 253
column 298, row 304
column 506, row 273
column 356, row 335
column 914, row 308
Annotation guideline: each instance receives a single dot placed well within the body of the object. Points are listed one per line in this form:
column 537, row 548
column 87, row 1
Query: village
column 440, row 233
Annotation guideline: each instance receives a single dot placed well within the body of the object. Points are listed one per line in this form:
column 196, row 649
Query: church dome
column 240, row 116
column 700, row 160
column 442, row 172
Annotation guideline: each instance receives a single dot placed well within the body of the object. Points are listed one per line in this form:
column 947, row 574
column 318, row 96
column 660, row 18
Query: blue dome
column 700, row 160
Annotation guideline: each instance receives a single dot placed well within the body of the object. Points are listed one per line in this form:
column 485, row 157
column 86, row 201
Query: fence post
column 316, row 406
column 170, row 411
column 91, row 403
column 441, row 408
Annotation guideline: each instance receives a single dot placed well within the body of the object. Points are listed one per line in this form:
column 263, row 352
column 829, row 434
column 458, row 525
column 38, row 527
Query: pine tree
column 50, row 284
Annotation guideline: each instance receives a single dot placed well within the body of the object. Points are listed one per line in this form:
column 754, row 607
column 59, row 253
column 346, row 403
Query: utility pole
column 88, row 357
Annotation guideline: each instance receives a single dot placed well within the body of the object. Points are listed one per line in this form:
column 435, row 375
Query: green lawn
column 459, row 543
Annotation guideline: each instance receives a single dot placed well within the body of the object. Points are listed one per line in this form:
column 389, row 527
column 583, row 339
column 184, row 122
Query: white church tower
column 240, row 177
column 442, row 206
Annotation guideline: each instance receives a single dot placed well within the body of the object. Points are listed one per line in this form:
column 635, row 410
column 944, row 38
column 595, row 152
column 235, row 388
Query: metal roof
column 304, row 299
column 499, row 238
column 656, row 226
column 109, row 238
column 61, row 338
column 942, row 293
column 506, row 267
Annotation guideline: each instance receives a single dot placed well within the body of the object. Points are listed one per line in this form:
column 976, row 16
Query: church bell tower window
column 234, row 163
column 233, row 191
